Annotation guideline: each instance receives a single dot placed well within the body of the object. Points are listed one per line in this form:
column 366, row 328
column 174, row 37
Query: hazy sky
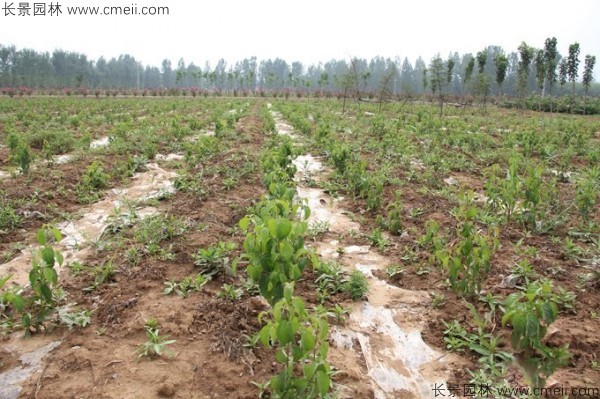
column 306, row 30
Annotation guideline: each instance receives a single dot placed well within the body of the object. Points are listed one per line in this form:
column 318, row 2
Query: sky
column 307, row 30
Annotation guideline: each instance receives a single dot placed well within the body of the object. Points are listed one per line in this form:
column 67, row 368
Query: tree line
column 491, row 71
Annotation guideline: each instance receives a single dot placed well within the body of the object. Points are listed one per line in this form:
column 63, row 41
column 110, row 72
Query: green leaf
column 48, row 256
column 324, row 349
column 264, row 334
column 26, row 320
column 232, row 270
column 286, row 250
column 323, row 382
column 277, row 383
column 4, row 280
column 298, row 353
column 59, row 258
column 288, row 291
column 285, row 333
column 56, row 233
column 309, row 370
column 479, row 349
column 518, row 323
column 41, row 236
column 254, row 272
column 549, row 312
column 280, row 356
column 17, row 301
column 46, row 293
column 50, row 275
column 280, row 228
column 532, row 326
column 307, row 340
column 306, row 212
column 244, row 223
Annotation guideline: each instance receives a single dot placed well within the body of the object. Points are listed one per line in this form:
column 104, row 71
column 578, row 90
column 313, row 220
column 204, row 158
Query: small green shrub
column 357, row 285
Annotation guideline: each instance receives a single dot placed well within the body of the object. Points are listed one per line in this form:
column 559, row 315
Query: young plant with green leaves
column 468, row 259
column 43, row 279
column 530, row 313
column 394, row 222
column 301, row 341
column 186, row 285
column 274, row 245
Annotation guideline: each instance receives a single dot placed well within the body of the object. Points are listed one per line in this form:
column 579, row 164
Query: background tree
column 167, row 73
column 540, row 74
column 540, row 69
column 501, row 66
column 354, row 77
column 425, row 78
column 551, row 58
column 323, row 80
column 468, row 71
column 181, row 72
column 562, row 72
column 440, row 75
column 526, row 56
column 449, row 68
column 573, row 64
column 588, row 75
column 417, row 75
column 481, row 60
column 61, row 69
column 407, row 84
column 482, row 84
column 386, row 85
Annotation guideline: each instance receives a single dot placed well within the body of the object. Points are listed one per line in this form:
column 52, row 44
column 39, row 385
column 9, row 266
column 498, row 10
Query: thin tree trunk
column 573, row 96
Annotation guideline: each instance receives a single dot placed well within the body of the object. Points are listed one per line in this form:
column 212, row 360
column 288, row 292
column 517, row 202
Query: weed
column 378, row 239
column 9, row 218
column 156, row 345
column 215, row 259
column 523, row 272
column 437, row 300
column 187, row 284
column 331, row 277
column 101, row 275
column 230, row 292
column 80, row 319
column 317, row 228
column 338, row 313
column 153, row 230
column 394, row 271
column 394, row 222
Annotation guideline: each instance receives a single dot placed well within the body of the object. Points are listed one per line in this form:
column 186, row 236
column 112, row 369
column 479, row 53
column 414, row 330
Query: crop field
column 296, row 248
